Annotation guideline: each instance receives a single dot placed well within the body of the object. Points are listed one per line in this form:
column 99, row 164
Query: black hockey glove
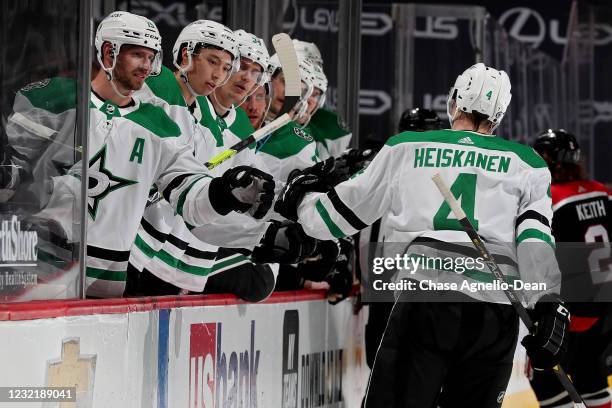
column 284, row 243
column 340, row 279
column 300, row 182
column 242, row 189
column 548, row 344
column 321, row 262
column 355, row 159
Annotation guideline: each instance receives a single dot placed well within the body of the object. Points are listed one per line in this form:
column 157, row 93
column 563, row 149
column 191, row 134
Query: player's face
column 209, row 69
column 243, row 82
column 133, row 66
column 278, row 90
column 255, row 106
column 313, row 101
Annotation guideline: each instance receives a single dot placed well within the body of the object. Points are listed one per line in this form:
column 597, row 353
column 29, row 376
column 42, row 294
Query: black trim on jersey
column 149, row 229
column 462, row 250
column 108, row 254
column 177, row 242
column 196, row 253
column 531, row 215
column 344, row 211
column 177, row 181
column 190, row 251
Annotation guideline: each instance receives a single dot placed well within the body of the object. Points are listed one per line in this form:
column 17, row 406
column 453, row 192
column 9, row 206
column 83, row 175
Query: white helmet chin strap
column 114, row 86
column 220, row 104
column 110, row 77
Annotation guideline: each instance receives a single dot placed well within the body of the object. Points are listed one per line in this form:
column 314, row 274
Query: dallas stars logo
column 300, row 133
column 101, row 182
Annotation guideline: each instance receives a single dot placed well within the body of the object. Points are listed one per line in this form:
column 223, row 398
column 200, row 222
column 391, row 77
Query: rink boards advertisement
column 277, row 354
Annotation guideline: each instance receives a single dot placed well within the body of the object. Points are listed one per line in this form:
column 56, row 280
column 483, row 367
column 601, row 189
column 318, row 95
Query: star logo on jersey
column 101, row 182
column 300, row 133
column 466, row 140
column 581, row 189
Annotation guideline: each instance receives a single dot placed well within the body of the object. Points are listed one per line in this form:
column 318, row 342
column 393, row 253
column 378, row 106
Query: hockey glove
column 355, row 159
column 284, row 243
column 546, row 347
column 321, row 262
column 300, row 182
column 330, row 171
column 242, row 189
column 340, row 279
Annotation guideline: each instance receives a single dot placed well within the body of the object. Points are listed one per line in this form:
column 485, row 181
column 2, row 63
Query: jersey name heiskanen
column 503, row 187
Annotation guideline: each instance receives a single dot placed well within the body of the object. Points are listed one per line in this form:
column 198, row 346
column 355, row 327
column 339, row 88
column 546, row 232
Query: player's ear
column 107, row 54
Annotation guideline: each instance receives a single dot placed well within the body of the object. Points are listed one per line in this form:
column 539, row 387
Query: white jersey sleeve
column 354, row 204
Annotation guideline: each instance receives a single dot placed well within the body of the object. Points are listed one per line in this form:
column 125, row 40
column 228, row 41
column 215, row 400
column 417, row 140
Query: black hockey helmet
column 559, row 145
column 419, row 120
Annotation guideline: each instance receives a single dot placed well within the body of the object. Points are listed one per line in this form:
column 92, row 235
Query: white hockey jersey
column 130, row 149
column 174, row 251
column 503, row 187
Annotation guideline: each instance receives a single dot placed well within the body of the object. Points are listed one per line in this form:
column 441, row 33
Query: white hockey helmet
column 481, row 89
column 254, row 48
column 121, row 27
column 308, row 77
column 205, row 32
column 320, row 81
column 308, row 51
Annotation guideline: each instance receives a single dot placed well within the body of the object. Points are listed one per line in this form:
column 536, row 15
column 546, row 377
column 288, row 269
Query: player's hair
column 566, row 172
column 199, row 47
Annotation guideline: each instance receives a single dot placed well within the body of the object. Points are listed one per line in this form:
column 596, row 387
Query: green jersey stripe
column 333, row 228
column 227, row 262
column 536, row 234
column 183, row 196
column 144, row 247
column 117, row 276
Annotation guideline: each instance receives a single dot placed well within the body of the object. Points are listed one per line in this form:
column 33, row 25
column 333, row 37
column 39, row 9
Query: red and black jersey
column 582, row 214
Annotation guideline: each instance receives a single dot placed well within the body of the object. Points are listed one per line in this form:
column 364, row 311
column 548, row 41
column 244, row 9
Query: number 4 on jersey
column 464, row 190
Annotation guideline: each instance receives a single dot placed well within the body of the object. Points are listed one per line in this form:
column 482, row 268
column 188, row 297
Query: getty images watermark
column 474, row 270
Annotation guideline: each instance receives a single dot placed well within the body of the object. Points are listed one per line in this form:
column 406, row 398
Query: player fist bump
column 242, row 189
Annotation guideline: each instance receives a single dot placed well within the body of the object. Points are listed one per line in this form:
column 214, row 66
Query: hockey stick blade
column 510, row 293
column 291, row 71
column 293, row 88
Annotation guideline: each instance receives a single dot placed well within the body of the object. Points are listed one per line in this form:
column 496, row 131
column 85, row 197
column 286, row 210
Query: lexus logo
column 524, row 24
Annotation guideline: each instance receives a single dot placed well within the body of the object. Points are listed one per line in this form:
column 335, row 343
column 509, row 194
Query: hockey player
column 331, row 137
column 256, row 106
column 581, row 213
column 169, row 255
column 132, row 146
column 413, row 120
column 450, row 354
column 419, row 120
column 291, row 147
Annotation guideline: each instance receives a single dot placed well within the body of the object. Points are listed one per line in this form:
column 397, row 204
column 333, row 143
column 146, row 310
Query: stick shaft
column 492, row 265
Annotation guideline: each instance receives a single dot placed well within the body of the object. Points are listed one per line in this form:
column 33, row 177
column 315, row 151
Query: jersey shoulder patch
column 154, row 119
column 55, row 95
column 287, row 141
column 166, row 87
column 324, row 125
column 464, row 138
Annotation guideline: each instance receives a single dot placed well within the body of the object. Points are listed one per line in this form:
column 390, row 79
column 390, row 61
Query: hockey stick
column 494, row 268
column 293, row 89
